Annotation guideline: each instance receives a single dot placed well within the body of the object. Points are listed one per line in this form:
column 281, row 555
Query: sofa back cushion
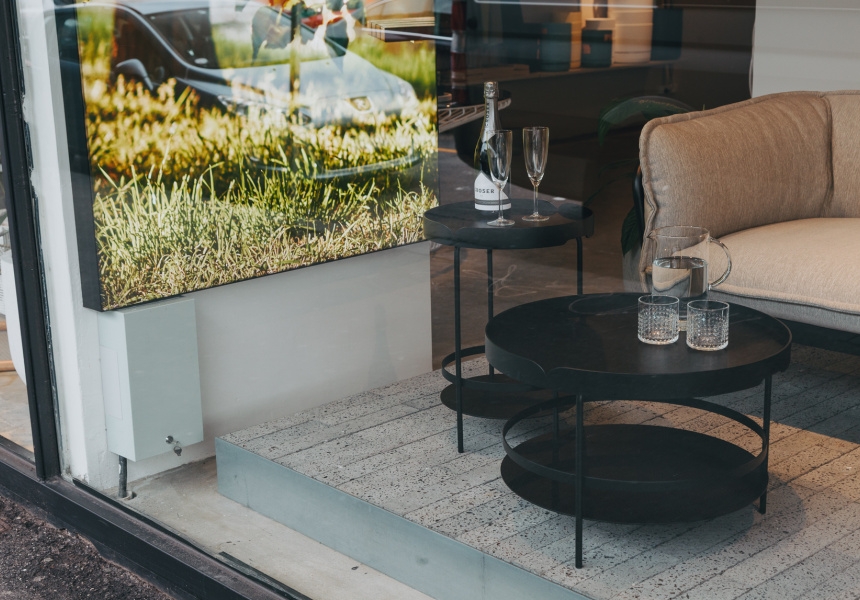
column 761, row 161
column 845, row 111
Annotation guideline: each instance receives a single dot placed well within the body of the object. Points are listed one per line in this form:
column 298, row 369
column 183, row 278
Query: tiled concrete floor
column 396, row 448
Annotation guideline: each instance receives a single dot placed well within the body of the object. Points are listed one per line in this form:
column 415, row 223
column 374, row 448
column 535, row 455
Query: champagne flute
column 535, row 147
column 499, row 157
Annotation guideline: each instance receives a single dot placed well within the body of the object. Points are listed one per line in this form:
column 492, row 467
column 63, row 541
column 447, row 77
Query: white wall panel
column 806, row 45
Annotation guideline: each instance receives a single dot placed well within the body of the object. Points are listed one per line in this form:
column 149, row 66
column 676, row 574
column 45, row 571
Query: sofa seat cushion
column 808, row 265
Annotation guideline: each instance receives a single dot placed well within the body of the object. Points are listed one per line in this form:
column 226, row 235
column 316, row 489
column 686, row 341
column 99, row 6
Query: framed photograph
column 229, row 139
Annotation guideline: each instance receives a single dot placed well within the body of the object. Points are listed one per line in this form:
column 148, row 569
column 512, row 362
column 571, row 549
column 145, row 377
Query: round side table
column 461, row 225
column 587, row 346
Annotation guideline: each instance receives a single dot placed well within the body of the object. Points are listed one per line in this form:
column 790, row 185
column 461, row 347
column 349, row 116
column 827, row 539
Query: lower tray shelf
column 493, row 400
column 689, row 476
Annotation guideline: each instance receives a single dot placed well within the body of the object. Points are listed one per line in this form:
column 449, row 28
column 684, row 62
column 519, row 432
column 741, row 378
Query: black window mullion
column 24, row 238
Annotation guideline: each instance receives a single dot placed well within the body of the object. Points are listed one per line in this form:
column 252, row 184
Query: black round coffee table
column 587, row 346
column 461, row 225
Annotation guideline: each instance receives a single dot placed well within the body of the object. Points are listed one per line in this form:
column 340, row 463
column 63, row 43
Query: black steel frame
column 21, row 205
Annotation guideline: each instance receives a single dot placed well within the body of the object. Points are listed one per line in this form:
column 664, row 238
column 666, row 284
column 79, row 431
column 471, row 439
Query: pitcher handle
column 725, row 275
column 650, row 239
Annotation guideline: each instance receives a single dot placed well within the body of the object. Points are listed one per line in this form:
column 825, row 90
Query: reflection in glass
column 499, row 157
column 535, row 148
column 256, row 149
column 14, row 403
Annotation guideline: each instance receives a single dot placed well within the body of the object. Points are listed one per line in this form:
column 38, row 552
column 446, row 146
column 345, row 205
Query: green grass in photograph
column 156, row 241
column 130, row 128
column 188, row 197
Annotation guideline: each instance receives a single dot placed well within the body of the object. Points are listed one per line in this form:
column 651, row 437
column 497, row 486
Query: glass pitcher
column 680, row 266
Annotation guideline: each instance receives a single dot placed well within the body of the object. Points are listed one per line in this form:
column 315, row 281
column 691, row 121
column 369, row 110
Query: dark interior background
column 710, row 67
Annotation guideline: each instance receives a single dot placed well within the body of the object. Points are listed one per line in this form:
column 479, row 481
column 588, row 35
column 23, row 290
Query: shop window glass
column 215, row 126
column 283, row 150
column 15, row 429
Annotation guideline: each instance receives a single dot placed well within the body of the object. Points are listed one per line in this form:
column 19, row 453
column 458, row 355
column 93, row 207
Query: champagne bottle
column 486, row 192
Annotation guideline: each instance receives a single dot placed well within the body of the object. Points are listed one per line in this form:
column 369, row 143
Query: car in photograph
column 238, row 55
column 313, row 17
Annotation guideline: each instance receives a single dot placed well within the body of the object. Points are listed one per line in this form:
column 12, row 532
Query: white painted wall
column 279, row 344
column 268, row 347
column 806, row 45
column 74, row 336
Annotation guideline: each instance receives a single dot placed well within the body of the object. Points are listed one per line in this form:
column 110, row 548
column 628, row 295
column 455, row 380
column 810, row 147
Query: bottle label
column 487, row 194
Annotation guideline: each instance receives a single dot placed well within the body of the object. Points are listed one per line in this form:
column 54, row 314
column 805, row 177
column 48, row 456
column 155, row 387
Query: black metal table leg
column 556, row 443
column 768, row 390
column 457, row 350
column 579, row 266
column 580, row 480
column 490, row 291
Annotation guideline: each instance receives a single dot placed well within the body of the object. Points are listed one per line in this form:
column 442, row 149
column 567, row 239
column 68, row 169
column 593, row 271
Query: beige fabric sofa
column 776, row 179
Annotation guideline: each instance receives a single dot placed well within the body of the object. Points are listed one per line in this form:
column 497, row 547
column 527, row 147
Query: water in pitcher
column 684, row 277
